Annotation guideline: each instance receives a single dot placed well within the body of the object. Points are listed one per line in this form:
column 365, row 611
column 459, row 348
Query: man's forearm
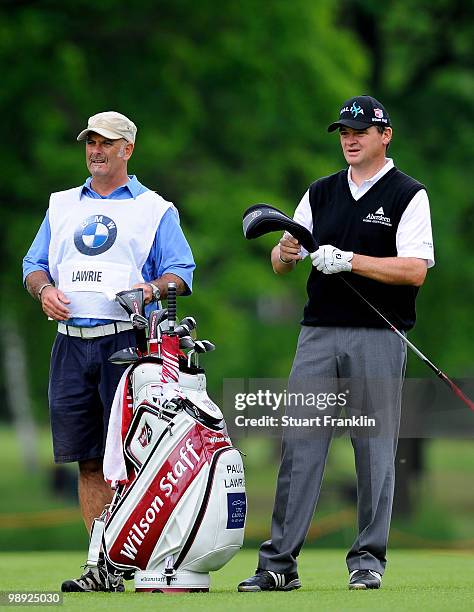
column 277, row 264
column 391, row 270
column 162, row 284
column 35, row 280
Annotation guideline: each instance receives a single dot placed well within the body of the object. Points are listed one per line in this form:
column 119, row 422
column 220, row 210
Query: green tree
column 421, row 66
column 231, row 104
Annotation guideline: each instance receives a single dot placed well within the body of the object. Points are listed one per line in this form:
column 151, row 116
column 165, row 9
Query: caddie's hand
column 147, row 292
column 330, row 260
column 290, row 248
column 53, row 303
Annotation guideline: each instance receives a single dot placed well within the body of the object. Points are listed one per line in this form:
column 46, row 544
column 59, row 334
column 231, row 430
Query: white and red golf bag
column 180, row 506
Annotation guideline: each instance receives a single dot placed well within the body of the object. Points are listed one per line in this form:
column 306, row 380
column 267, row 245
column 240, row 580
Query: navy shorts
column 82, row 384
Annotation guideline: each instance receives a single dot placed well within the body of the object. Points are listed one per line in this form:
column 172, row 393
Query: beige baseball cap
column 110, row 125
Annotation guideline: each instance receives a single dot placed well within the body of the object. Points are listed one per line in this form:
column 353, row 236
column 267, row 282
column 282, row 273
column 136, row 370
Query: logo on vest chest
column 95, row 235
column 378, row 217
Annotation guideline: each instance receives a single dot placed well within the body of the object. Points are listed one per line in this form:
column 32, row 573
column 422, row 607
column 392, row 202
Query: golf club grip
column 172, row 305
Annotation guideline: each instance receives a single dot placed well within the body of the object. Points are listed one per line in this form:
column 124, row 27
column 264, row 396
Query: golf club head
column 190, row 323
column 138, row 321
column 186, row 342
column 182, row 330
column 261, row 219
column 125, row 356
column 203, row 346
column 198, row 347
column 208, row 345
column 132, row 301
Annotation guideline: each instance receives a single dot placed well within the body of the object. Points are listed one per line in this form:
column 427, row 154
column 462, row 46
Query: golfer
column 373, row 222
column 110, row 234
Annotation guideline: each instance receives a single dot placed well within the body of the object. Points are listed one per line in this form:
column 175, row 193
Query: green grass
column 415, row 580
column 32, row 516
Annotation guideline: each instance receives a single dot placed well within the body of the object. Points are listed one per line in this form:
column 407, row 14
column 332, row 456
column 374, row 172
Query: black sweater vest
column 367, row 226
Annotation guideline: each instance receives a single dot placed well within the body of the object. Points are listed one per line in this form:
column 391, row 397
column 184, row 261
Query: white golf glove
column 330, row 260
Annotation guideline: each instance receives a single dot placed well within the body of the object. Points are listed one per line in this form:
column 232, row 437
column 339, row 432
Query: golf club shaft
column 254, row 226
column 440, row 374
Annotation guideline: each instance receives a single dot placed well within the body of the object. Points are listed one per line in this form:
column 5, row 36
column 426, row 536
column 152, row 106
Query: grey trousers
column 370, row 364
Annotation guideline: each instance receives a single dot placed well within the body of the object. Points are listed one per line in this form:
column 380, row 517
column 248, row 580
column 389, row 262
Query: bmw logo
column 95, row 235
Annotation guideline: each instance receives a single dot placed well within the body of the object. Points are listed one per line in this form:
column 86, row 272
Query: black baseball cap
column 360, row 113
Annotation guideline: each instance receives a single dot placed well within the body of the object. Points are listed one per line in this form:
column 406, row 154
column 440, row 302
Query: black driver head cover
column 261, row 219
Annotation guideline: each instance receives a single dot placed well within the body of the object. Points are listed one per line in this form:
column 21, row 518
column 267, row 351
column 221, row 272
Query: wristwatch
column 155, row 291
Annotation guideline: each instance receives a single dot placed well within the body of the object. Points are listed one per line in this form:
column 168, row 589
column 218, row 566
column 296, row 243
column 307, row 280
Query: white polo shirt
column 414, row 237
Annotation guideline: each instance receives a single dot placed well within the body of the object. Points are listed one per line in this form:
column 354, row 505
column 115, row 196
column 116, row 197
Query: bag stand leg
column 95, row 542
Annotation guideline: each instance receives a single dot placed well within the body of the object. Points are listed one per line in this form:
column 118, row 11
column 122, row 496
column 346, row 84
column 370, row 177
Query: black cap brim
column 355, row 125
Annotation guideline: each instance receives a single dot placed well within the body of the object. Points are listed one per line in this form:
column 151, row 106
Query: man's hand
column 330, row 260
column 147, row 292
column 290, row 249
column 162, row 284
column 53, row 303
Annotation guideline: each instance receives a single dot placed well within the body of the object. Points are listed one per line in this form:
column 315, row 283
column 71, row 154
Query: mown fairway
column 415, row 580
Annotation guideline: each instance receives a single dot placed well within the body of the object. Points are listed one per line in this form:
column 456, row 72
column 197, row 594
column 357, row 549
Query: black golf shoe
column 265, row 580
column 364, row 579
column 94, row 579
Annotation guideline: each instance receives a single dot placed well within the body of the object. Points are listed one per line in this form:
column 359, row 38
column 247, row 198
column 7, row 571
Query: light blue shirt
column 170, row 253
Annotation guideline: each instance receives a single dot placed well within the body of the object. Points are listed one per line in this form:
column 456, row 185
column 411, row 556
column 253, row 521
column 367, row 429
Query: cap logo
column 356, row 110
column 378, row 112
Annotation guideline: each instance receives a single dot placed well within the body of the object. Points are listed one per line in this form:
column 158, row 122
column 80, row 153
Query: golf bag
column 179, row 508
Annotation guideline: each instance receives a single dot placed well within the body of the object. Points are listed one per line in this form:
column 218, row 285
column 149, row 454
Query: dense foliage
column 232, row 102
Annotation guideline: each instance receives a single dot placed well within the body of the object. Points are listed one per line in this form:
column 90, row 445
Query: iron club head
column 186, row 342
column 190, row 323
column 182, row 330
column 203, row 346
column 138, row 321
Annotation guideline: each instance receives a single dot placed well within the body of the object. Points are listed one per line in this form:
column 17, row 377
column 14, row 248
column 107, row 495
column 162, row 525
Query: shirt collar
column 132, row 186
column 388, row 166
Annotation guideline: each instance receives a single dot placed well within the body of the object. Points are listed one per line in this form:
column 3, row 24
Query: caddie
column 110, row 234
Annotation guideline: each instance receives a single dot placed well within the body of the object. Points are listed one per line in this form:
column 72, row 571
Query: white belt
column 94, row 332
